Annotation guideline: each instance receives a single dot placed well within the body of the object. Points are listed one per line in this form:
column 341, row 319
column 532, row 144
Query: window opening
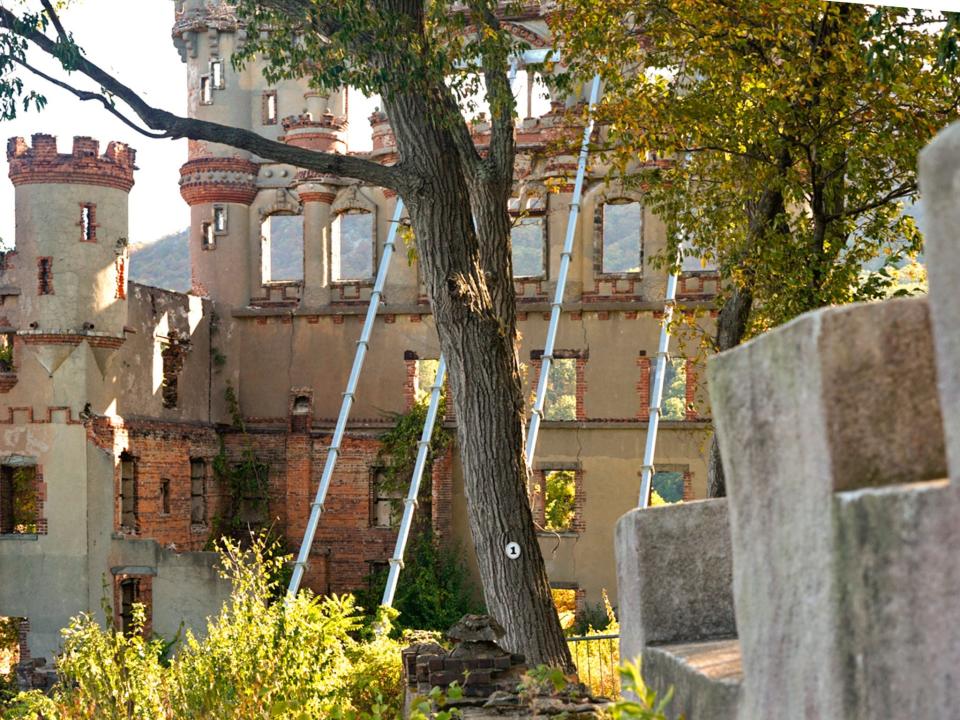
column 19, row 510
column 622, row 249
column 674, row 402
column 120, row 265
column 206, row 90
column 668, row 487
column 198, row 492
column 559, row 500
column 216, row 74
column 282, row 248
column 426, row 377
column 387, row 502
column 352, row 246
column 172, row 353
column 129, row 590
column 565, row 600
column 6, row 352
column 528, row 240
column 208, row 240
column 270, row 107
column 165, row 496
column 45, row 276
column 128, row 492
column 88, row 226
column 219, row 218
column 561, row 399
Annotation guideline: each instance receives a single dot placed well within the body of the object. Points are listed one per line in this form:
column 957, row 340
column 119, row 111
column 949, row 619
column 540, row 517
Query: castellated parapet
column 83, row 166
column 71, row 239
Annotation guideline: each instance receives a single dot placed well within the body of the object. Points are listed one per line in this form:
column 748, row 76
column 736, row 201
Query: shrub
column 259, row 657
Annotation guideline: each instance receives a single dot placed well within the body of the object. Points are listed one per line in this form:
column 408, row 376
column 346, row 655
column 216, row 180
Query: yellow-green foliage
column 259, row 658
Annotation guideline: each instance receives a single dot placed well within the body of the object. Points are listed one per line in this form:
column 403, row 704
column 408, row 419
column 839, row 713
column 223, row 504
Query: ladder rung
column 318, row 505
column 412, row 501
column 397, row 561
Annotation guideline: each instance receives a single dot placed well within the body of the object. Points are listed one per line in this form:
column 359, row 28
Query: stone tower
column 230, row 192
column 71, row 237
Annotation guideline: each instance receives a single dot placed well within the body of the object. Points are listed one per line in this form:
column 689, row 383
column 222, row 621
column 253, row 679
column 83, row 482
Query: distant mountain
column 163, row 263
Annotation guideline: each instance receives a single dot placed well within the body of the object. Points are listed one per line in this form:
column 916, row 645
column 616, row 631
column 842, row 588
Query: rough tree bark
column 446, row 187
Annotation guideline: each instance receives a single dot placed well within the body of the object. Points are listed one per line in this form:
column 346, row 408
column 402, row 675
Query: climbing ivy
column 398, row 446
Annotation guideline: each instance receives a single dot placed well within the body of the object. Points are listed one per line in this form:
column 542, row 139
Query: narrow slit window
column 128, row 492
column 561, row 399
column 216, row 74
column 198, row 492
column 270, row 107
column 19, row 509
column 673, row 404
column 219, row 219
column 206, row 90
column 528, row 240
column 622, row 247
column 172, row 354
column 88, row 223
column 352, row 249
column 282, row 248
column 208, row 240
column 165, row 496
column 121, row 269
column 45, row 276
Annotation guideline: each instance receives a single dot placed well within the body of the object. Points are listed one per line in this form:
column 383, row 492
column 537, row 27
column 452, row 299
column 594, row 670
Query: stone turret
column 71, row 236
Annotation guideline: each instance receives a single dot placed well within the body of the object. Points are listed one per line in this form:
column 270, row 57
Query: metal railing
column 597, row 658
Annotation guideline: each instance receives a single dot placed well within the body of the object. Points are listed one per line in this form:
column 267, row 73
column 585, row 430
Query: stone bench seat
column 705, row 677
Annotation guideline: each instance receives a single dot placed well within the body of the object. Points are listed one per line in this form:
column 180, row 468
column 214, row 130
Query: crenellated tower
column 71, row 236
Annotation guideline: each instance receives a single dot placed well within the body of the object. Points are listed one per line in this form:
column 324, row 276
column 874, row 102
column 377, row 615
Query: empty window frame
column 559, row 501
column 129, row 594
column 386, row 507
column 352, row 248
column 198, row 492
column 6, row 352
column 219, row 219
column 172, row 354
column 673, row 404
column 668, row 487
column 88, row 222
column 208, row 239
column 281, row 248
column 217, row 74
column 206, row 90
column 19, row 507
column 128, row 492
column 426, row 377
column 45, row 276
column 621, row 245
column 269, row 107
column 164, row 496
column 561, row 399
column 565, row 600
column 528, row 241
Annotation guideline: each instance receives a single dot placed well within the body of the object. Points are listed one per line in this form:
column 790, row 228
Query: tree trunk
column 475, row 321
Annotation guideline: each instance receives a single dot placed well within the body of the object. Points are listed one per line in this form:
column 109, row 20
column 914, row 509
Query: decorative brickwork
column 324, row 135
column 690, row 400
column 643, row 386
column 120, row 266
column 43, row 164
column 218, row 180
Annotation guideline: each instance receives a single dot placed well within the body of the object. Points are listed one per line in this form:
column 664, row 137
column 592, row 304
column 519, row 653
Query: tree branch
column 175, row 126
column 55, row 19
column 901, row 191
column 502, row 105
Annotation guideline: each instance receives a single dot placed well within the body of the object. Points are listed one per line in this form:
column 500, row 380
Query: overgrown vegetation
column 259, row 658
column 434, row 590
column 9, row 657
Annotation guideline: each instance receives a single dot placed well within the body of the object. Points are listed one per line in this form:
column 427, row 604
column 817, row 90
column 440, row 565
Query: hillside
column 163, row 263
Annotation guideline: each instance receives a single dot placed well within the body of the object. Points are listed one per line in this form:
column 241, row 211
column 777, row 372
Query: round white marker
column 513, row 550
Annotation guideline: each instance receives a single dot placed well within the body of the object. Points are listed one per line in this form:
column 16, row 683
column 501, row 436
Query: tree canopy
column 795, row 125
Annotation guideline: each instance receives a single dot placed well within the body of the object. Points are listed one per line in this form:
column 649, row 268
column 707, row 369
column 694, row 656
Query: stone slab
column 838, row 399
column 674, row 574
column 706, row 678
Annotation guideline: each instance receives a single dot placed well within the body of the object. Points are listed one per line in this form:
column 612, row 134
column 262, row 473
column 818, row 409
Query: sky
column 141, row 54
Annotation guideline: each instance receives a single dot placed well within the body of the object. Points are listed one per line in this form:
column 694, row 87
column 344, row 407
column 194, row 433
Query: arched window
column 353, row 246
column 281, row 255
column 621, row 248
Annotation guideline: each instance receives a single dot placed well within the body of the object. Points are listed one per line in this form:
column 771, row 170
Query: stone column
column 317, row 198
